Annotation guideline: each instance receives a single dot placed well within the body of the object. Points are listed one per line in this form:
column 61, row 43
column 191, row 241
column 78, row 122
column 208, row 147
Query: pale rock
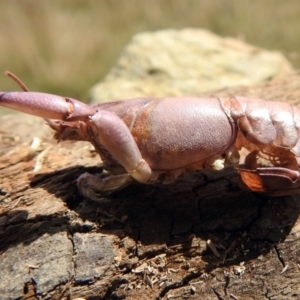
column 186, row 62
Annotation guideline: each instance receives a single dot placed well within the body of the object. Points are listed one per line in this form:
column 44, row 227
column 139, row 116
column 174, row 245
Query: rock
column 44, row 262
column 94, row 256
column 186, row 62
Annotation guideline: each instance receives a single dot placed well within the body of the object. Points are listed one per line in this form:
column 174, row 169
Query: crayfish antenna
column 19, row 82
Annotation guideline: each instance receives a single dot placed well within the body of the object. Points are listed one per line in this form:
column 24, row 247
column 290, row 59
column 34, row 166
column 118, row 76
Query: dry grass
column 66, row 46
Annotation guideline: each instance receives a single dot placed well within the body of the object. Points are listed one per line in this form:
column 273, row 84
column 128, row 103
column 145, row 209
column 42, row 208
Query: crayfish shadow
column 181, row 217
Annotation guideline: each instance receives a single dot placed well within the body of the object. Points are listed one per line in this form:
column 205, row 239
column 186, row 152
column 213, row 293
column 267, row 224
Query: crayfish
column 154, row 140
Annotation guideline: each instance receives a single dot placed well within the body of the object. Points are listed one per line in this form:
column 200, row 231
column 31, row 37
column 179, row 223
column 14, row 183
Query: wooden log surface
column 199, row 238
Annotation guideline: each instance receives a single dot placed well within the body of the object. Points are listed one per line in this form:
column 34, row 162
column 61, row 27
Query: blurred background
column 65, row 47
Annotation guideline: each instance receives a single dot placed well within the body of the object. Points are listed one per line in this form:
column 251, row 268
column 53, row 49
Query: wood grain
column 145, row 242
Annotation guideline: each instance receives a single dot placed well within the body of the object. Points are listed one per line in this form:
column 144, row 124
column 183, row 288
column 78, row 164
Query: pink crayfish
column 156, row 140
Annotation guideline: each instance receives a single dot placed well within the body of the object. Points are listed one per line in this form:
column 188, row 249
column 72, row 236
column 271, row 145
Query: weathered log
column 199, row 238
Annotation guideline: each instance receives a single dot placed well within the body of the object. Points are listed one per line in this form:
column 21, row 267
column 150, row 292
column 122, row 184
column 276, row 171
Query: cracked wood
column 146, row 242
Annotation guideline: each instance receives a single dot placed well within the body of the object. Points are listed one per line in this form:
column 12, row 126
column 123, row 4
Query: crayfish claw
column 273, row 181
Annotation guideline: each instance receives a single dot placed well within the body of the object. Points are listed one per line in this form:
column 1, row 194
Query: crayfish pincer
column 157, row 140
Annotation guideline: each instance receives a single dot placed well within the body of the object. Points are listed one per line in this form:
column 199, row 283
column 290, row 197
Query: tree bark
column 198, row 238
